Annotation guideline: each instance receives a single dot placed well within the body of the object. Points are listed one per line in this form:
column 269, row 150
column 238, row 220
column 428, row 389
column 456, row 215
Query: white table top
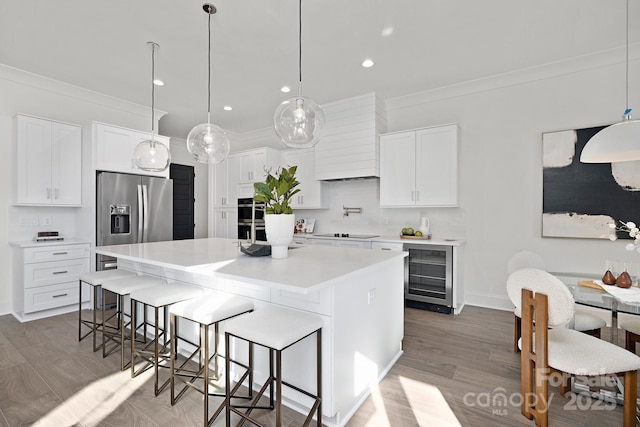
column 307, row 269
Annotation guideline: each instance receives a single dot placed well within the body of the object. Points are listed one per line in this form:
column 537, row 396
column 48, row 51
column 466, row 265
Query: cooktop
column 348, row 235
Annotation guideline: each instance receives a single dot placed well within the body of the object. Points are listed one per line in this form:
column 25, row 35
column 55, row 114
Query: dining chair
column 549, row 347
column 582, row 321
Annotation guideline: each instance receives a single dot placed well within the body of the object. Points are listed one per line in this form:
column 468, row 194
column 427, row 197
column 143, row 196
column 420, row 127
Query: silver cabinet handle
column 60, row 253
column 58, row 296
column 60, row 272
column 385, row 249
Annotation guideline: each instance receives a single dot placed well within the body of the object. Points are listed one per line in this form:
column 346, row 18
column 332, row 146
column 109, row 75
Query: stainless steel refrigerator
column 132, row 209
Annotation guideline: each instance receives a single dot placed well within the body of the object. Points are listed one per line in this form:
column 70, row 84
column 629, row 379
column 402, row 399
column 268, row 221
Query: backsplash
column 364, row 194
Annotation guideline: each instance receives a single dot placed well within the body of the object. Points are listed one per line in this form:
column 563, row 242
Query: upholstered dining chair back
column 561, row 302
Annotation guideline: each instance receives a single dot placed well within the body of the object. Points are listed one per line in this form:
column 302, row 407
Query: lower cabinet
column 46, row 281
column 226, row 223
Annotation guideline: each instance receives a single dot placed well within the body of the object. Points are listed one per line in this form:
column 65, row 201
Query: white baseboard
column 498, row 302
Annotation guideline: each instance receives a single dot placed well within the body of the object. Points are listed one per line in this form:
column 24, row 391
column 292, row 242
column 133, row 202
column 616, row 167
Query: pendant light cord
column 209, row 74
column 299, row 47
column 153, row 90
column 627, row 111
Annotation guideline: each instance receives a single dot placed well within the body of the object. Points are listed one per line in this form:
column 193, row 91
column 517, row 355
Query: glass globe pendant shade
column 208, row 143
column 298, row 122
column 152, row 155
column 619, row 142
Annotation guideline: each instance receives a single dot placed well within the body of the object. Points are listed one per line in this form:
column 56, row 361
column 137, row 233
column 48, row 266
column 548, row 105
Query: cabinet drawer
column 55, row 253
column 55, row 272
column 47, row 297
column 385, row 246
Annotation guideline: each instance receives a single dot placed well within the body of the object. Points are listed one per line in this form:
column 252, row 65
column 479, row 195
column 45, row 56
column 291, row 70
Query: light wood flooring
column 452, row 370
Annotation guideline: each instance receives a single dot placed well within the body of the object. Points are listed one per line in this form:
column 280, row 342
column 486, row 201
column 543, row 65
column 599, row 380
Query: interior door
column 183, row 201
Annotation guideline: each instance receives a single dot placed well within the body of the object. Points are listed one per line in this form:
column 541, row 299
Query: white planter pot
column 279, row 230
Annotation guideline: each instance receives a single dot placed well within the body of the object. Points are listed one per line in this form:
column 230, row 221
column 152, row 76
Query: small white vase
column 279, row 230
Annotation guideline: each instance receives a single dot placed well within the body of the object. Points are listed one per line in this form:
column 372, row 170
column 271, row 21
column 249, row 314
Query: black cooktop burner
column 348, row 235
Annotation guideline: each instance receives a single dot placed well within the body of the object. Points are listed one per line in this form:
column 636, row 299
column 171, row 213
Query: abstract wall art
column 582, row 199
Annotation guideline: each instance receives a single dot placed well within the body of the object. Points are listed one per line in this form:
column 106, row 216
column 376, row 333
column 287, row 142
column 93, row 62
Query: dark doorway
column 183, row 201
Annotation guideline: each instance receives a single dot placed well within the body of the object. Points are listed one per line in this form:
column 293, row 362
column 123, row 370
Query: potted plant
column 279, row 221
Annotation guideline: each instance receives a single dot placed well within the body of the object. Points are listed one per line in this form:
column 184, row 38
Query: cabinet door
column 220, row 184
column 312, row 193
column 397, row 169
column 66, row 164
column 226, row 223
column 246, row 167
column 233, row 165
column 33, row 167
column 114, row 149
column 437, row 166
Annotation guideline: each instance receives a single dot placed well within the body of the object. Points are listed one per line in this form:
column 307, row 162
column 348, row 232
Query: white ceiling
column 432, row 43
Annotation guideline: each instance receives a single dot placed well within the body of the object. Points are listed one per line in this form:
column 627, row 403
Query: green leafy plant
column 276, row 191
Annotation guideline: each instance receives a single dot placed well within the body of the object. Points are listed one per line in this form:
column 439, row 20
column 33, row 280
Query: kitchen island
column 357, row 293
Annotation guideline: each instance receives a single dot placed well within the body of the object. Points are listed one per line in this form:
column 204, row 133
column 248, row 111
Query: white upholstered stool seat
column 207, row 310
column 158, row 297
column 95, row 279
column 123, row 287
column 632, row 334
column 276, row 329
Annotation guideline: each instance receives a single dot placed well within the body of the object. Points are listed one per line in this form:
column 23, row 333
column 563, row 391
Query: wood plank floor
column 453, row 371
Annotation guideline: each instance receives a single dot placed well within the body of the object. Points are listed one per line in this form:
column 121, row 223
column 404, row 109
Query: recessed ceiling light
column 158, row 82
column 285, row 89
column 227, row 108
column 367, row 63
column 387, row 31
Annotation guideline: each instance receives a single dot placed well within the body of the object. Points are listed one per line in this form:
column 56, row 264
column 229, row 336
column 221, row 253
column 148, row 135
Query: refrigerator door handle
column 140, row 213
column 145, row 209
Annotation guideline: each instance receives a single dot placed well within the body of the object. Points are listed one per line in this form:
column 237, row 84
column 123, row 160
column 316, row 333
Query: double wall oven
column 250, row 212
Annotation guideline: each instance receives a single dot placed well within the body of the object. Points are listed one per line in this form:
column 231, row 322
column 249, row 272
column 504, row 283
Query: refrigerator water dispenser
column 120, row 219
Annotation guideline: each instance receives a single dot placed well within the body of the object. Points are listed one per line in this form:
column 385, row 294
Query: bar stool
column 276, row 329
column 158, row 297
column 123, row 287
column 95, row 279
column 205, row 311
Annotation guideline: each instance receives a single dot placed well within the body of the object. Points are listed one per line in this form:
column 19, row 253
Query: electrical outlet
column 29, row 221
column 385, row 220
column 45, row 220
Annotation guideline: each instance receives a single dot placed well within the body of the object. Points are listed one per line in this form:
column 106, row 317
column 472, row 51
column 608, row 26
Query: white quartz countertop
column 389, row 239
column 307, row 269
column 32, row 244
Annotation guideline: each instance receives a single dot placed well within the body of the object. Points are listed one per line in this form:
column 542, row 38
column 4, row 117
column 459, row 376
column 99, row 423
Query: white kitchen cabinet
column 46, row 281
column 419, row 167
column 313, row 193
column 226, row 223
column 344, row 242
column 225, row 185
column 254, row 164
column 114, row 148
column 386, row 246
column 48, row 163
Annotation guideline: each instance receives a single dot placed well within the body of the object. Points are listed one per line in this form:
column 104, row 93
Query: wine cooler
column 429, row 277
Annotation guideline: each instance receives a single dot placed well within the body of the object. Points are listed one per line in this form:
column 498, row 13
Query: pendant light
column 150, row 154
column 298, row 121
column 207, row 142
column 619, row 142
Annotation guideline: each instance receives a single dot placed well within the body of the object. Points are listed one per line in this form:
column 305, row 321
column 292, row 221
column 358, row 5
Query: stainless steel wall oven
column 250, row 212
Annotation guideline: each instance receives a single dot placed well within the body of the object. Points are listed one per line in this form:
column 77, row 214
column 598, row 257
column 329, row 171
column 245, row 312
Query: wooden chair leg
column 565, row 384
column 517, row 332
column 630, row 398
column 630, row 340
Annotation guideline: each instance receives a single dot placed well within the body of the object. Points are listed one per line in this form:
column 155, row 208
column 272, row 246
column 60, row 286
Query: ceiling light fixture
column 227, row 108
column 158, row 82
column 285, row 89
column 150, row 154
column 619, row 142
column 299, row 120
column 367, row 63
column 207, row 142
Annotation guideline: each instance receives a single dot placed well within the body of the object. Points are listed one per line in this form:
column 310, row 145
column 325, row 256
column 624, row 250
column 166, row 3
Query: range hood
column 349, row 147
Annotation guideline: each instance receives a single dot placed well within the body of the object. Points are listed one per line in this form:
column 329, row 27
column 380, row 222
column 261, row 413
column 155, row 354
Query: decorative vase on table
column 279, row 221
column 279, row 230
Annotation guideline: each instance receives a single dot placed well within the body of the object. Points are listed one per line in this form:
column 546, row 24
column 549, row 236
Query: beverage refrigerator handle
column 145, row 205
column 140, row 213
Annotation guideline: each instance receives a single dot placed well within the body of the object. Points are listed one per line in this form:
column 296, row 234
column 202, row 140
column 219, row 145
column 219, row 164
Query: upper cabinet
column 419, row 167
column 225, row 183
column 348, row 146
column 255, row 163
column 114, row 147
column 49, row 162
column 313, row 193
